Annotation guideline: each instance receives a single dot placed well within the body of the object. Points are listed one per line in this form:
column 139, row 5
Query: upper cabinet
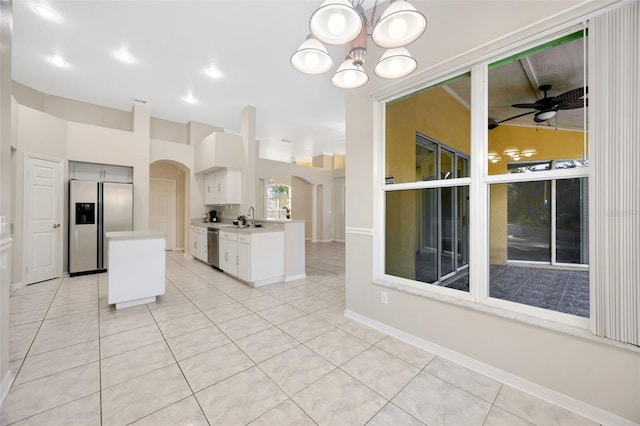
column 223, row 186
column 218, row 150
column 100, row 172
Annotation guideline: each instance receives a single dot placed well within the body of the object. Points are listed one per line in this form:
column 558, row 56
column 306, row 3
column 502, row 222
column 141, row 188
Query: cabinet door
column 120, row 174
column 220, row 187
column 229, row 257
column 268, row 256
column 194, row 244
column 233, row 180
column 244, row 260
column 209, row 188
column 223, row 254
column 202, row 246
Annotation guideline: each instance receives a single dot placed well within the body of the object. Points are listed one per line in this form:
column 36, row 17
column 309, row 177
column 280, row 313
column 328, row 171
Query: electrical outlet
column 383, row 297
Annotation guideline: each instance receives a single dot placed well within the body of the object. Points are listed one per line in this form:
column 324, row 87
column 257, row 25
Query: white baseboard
column 5, row 386
column 294, row 277
column 586, row 410
column 15, row 286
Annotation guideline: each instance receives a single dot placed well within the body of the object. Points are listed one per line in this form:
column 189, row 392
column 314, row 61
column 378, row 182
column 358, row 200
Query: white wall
column 5, row 193
column 45, row 135
column 598, row 377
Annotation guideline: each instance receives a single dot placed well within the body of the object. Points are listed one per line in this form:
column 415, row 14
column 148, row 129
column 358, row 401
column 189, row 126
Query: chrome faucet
column 253, row 215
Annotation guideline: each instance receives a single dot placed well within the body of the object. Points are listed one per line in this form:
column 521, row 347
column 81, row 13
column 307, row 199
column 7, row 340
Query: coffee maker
column 213, row 216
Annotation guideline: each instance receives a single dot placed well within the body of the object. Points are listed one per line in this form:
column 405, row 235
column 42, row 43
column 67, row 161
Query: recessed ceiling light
column 45, row 11
column 123, row 55
column 190, row 99
column 58, row 61
column 213, row 72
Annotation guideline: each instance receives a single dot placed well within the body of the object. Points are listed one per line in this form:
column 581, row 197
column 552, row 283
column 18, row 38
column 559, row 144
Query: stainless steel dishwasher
column 212, row 247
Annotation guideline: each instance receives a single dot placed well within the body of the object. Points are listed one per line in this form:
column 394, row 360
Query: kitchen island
column 294, row 248
column 273, row 251
column 253, row 255
column 136, row 273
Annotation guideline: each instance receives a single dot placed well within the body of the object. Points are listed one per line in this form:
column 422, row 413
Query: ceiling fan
column 548, row 106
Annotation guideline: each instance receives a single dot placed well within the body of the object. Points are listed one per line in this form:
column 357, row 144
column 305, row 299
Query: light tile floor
column 214, row 351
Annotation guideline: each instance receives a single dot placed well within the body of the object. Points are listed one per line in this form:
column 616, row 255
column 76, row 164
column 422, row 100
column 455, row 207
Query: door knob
column 56, row 225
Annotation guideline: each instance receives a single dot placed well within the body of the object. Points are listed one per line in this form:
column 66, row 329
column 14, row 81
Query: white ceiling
column 173, row 43
column 250, row 42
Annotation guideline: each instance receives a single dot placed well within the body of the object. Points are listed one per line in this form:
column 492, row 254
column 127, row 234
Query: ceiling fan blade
column 493, row 124
column 534, row 105
column 572, row 96
column 517, row 116
column 573, row 104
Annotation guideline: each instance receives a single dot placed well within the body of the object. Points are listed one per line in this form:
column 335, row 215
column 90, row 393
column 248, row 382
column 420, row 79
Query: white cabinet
column 261, row 257
column 223, row 186
column 228, row 252
column 100, row 172
column 199, row 243
column 209, row 188
column 244, row 257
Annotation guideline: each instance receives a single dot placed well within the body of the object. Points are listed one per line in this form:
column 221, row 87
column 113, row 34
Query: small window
column 278, row 201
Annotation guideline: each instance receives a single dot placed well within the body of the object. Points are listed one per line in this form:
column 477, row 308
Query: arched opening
column 303, row 202
column 169, row 195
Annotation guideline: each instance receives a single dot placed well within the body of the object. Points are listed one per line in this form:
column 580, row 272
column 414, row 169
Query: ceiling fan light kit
column 344, row 22
column 544, row 116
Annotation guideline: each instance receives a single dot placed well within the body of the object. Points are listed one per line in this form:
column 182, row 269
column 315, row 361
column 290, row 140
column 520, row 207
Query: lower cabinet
column 199, row 243
column 255, row 258
column 228, row 252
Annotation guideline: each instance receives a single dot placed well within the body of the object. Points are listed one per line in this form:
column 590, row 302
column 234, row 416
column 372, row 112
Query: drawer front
column 243, row 238
column 232, row 236
column 199, row 230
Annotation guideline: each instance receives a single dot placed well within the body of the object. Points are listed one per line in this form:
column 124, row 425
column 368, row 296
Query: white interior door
column 43, row 233
column 162, row 208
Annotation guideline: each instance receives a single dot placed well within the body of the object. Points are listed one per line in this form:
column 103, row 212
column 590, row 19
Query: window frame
column 479, row 182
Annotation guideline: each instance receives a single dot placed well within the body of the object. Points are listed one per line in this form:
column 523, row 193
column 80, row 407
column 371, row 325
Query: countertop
column 134, row 235
column 235, row 228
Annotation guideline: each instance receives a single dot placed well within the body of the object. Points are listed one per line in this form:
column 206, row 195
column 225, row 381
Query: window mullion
column 478, row 189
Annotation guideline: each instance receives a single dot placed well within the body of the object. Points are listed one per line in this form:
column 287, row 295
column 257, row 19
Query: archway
column 166, row 171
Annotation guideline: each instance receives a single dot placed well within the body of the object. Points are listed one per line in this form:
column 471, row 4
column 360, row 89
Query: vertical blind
column 614, row 115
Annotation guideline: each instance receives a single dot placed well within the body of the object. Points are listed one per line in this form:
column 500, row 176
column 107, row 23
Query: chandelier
column 344, row 22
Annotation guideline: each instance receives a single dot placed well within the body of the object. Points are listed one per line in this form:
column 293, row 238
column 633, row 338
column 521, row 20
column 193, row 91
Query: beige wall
column 586, row 370
column 301, row 202
column 71, row 110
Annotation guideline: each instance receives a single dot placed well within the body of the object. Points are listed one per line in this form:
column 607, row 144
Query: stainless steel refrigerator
column 96, row 208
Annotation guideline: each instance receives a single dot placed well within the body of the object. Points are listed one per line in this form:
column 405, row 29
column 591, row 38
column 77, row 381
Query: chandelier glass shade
column 349, row 76
column 312, row 58
column 395, row 63
column 344, row 22
column 336, row 22
column 399, row 25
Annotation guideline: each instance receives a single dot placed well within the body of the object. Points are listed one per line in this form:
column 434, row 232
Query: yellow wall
column 551, row 144
column 434, row 113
